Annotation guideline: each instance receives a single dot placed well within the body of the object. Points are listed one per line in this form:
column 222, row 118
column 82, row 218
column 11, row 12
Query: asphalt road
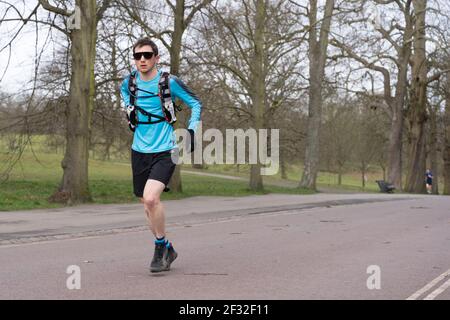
column 322, row 246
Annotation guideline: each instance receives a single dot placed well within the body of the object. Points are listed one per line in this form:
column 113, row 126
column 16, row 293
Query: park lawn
column 350, row 181
column 49, row 168
column 36, row 176
column 24, row 195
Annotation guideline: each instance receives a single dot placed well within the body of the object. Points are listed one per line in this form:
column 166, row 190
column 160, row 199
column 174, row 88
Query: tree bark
column 433, row 152
column 283, row 163
column 180, row 25
column 417, row 116
column 176, row 184
column 258, row 95
column 340, row 169
column 446, row 147
column 363, row 174
column 395, row 147
column 317, row 56
column 74, row 187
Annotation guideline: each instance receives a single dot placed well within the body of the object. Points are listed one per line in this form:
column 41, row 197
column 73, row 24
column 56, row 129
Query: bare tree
column 249, row 50
column 398, row 37
column 74, row 186
column 338, row 135
column 417, row 115
column 446, row 147
column 318, row 45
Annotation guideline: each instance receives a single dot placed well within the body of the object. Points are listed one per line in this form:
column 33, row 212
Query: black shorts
column 150, row 166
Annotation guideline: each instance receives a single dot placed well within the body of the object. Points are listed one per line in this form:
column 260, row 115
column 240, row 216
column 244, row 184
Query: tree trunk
column 283, row 164
column 433, row 152
column 417, row 108
column 383, row 168
column 259, row 87
column 446, row 147
column 339, row 175
column 395, row 148
column 363, row 175
column 74, row 187
column 175, row 56
column 317, row 59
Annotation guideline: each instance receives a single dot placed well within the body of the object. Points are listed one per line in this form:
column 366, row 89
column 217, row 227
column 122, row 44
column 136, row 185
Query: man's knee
column 151, row 201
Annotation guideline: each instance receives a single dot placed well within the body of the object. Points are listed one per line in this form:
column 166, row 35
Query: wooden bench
column 385, row 186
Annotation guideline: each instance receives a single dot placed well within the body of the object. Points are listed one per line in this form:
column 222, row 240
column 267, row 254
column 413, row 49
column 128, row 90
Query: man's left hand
column 191, row 140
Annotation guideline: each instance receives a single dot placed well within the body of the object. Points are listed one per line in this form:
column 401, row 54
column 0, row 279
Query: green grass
column 24, row 195
column 350, row 181
column 36, row 176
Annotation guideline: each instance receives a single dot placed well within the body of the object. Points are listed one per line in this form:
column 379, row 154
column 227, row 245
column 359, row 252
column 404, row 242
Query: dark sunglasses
column 147, row 55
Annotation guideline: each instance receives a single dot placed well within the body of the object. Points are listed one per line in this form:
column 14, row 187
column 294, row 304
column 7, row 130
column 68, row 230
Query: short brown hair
column 146, row 42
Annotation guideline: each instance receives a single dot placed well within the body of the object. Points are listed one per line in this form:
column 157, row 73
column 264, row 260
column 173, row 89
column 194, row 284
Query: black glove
column 191, row 140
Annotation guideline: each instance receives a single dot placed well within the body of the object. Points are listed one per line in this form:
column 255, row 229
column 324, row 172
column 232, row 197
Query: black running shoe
column 171, row 256
column 159, row 262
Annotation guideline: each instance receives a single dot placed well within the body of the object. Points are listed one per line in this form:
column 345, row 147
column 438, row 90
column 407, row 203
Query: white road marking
column 438, row 291
column 430, row 285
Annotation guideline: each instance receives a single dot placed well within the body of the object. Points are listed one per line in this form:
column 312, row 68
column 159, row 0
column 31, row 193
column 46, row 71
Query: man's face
column 143, row 64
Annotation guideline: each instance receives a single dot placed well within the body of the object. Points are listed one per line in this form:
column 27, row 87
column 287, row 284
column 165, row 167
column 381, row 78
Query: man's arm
column 128, row 108
column 179, row 90
column 125, row 92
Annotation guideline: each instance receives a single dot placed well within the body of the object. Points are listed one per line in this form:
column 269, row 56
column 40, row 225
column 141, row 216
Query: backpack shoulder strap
column 166, row 98
column 164, row 88
column 132, row 88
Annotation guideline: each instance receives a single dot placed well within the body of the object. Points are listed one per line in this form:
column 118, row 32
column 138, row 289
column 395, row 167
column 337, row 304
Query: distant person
column 429, row 181
column 148, row 95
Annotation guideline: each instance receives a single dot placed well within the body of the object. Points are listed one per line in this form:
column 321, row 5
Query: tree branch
column 102, row 9
column 194, row 10
column 47, row 6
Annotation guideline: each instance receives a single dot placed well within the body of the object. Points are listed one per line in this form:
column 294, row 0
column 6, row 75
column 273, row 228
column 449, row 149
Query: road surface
column 323, row 246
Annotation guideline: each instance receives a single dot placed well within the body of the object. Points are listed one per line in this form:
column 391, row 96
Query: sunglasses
column 147, row 55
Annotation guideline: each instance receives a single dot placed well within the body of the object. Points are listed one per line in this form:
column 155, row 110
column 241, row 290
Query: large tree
column 373, row 56
column 417, row 110
column 249, row 52
column 318, row 45
column 446, row 147
column 74, row 187
column 79, row 26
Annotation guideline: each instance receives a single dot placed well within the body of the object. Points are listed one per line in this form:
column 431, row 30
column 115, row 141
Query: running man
column 429, row 181
column 154, row 140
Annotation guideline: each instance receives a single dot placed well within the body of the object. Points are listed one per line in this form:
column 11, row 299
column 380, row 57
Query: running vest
column 168, row 107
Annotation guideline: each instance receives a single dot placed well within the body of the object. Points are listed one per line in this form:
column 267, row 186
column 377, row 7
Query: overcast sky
column 22, row 61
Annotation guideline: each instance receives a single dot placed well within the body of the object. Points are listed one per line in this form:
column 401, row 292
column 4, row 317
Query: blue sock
column 164, row 242
column 160, row 241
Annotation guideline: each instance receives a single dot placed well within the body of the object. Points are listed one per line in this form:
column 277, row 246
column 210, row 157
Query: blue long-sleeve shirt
column 159, row 137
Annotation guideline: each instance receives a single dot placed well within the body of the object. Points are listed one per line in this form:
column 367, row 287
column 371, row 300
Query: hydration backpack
column 168, row 107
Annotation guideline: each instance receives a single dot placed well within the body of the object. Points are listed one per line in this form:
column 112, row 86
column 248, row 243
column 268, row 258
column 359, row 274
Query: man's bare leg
column 154, row 208
column 164, row 251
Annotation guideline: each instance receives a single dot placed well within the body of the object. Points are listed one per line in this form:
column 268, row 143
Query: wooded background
column 351, row 84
